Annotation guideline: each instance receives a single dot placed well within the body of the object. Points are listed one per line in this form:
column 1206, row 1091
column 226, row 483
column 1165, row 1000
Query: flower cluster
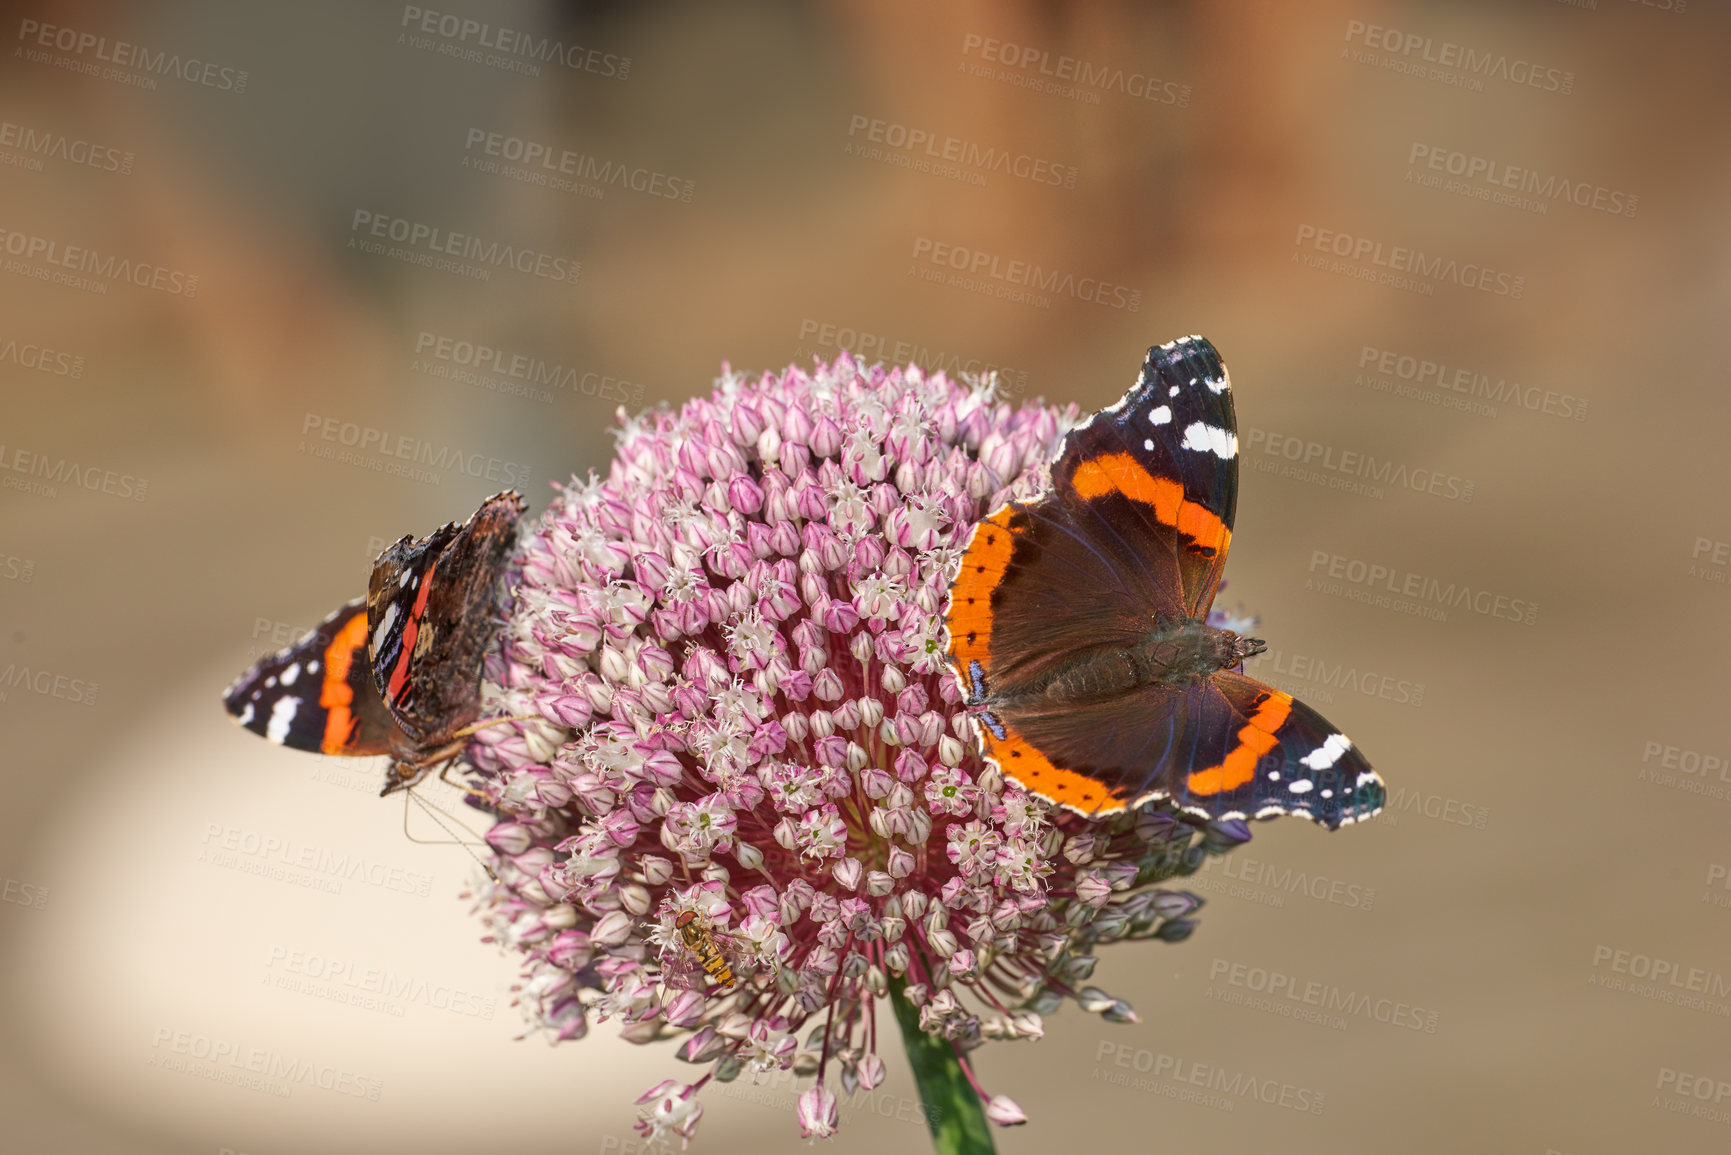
column 749, row 751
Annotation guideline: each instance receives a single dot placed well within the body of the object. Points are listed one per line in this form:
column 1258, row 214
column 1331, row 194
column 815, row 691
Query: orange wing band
column 1120, row 473
column 1255, row 738
column 335, row 695
column 970, row 614
column 1035, row 773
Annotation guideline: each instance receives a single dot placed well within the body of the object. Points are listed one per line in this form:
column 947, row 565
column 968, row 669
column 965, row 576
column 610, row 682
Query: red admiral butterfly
column 398, row 672
column 1078, row 626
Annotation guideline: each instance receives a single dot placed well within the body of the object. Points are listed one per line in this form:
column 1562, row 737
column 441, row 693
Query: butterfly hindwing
column 1285, row 759
column 1092, row 757
column 318, row 694
column 1223, row 747
column 432, row 612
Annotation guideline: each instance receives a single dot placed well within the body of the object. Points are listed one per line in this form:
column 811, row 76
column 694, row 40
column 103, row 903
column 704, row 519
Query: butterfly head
column 403, row 775
column 1243, row 648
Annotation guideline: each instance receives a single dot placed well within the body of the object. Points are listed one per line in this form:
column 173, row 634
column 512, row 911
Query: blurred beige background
column 1373, row 209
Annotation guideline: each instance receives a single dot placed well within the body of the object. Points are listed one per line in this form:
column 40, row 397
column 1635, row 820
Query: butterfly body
column 398, row 671
column 1078, row 625
column 1169, row 655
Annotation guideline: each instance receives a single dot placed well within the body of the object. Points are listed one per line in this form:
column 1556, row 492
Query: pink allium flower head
column 735, row 648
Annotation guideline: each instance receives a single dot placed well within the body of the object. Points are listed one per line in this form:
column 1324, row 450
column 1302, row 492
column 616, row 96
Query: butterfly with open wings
column 1078, row 626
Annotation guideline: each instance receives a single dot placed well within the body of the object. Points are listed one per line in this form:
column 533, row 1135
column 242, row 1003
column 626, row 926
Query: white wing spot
column 384, row 626
column 1328, row 794
column 1328, row 753
column 312, row 667
column 245, row 715
column 408, row 576
column 281, row 715
column 1205, row 438
column 1172, row 392
column 1274, row 775
column 1161, row 416
column 1148, row 445
column 1302, row 786
column 289, row 675
column 1218, row 384
column 270, row 682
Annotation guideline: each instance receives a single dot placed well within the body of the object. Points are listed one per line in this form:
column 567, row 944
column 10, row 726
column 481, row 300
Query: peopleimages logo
column 1448, row 61
column 1667, row 980
column 1350, row 469
column 921, row 148
column 38, row 144
column 1519, row 187
column 568, row 171
column 1401, row 265
column 868, row 346
column 1071, row 76
column 405, row 449
column 1322, row 675
column 37, row 36
column 47, row 684
column 367, row 228
column 1326, row 996
column 1178, row 1069
column 462, row 38
column 993, row 275
column 259, row 1068
column 1468, row 384
column 29, row 355
column 522, row 368
column 377, row 988
column 1414, row 593
column 55, row 471
column 61, row 262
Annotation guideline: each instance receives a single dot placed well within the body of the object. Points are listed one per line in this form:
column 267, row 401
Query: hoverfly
column 700, row 938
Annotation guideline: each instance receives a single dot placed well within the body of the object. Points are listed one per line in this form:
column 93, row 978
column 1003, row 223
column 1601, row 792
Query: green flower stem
column 954, row 1112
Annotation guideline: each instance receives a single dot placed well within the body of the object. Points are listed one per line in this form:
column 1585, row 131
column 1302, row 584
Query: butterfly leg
column 472, row 793
column 467, row 730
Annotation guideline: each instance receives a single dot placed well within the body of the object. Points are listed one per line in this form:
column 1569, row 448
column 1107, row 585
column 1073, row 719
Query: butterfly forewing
column 318, row 694
column 1303, row 765
column 1160, row 470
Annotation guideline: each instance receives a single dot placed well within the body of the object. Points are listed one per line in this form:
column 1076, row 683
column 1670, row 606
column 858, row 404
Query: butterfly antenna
column 456, row 839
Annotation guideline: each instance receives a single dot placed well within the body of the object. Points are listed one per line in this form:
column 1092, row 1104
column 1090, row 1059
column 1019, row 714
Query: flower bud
column 817, row 1112
column 510, row 838
column 826, row 438
column 860, row 645
column 612, row 929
